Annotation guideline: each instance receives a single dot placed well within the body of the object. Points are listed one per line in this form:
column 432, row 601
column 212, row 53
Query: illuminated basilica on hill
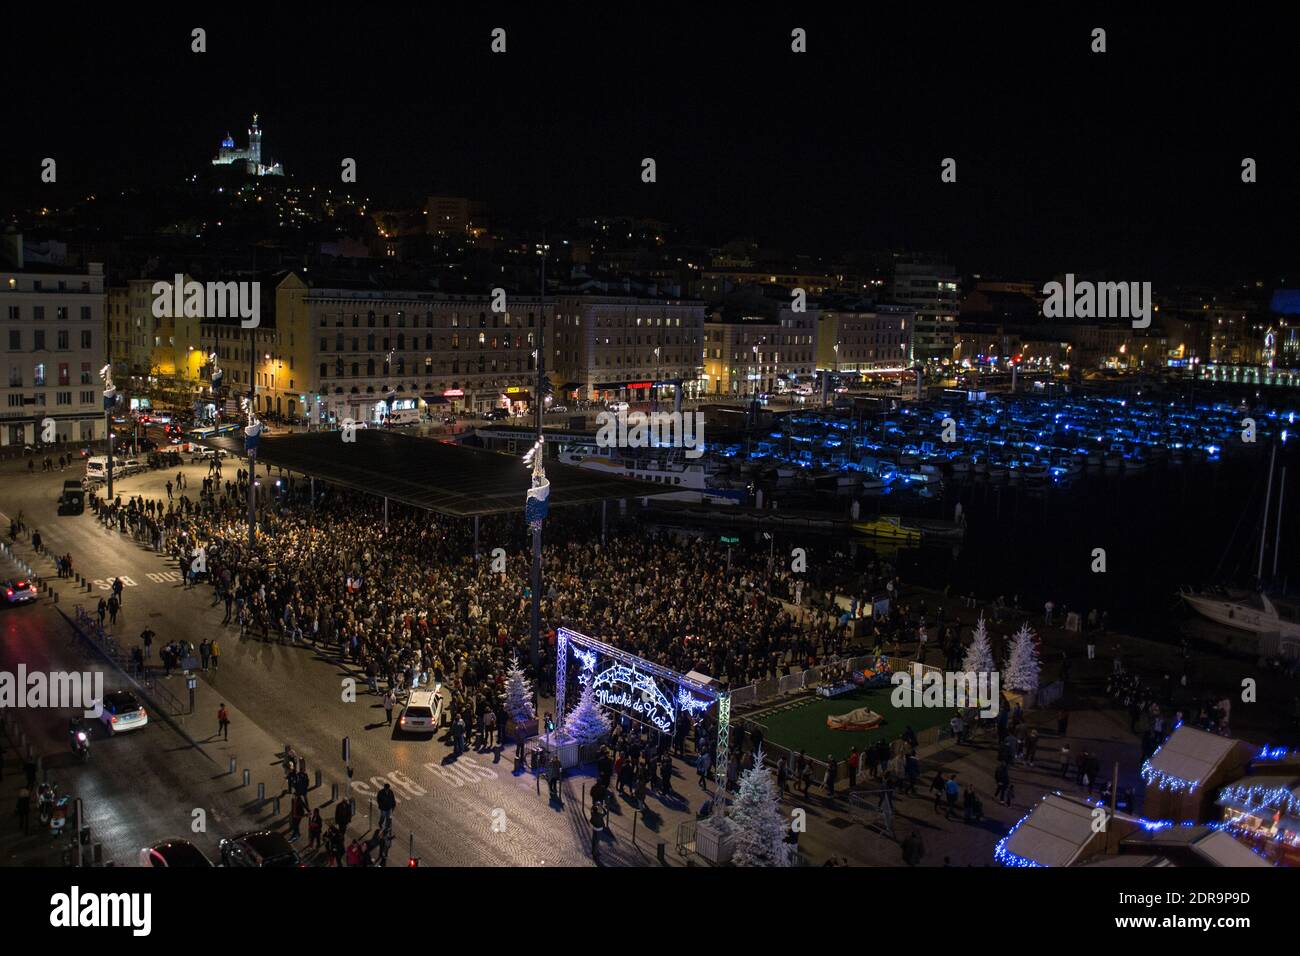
column 247, row 160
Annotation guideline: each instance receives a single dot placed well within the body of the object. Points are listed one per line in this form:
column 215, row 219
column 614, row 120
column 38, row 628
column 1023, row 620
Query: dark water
column 1169, row 526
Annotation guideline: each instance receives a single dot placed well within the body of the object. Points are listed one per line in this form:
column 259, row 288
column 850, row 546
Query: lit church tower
column 255, row 142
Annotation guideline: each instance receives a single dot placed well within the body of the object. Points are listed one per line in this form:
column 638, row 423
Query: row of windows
column 60, row 398
column 399, row 367
column 17, row 378
column 62, row 339
column 60, row 312
column 372, row 322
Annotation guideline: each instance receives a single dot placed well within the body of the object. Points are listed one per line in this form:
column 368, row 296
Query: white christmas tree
column 1023, row 665
column 979, row 656
column 761, row 827
column 587, row 722
column 519, row 693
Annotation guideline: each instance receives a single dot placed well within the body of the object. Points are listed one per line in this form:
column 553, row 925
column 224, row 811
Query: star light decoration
column 691, row 704
column 1272, row 753
column 588, row 660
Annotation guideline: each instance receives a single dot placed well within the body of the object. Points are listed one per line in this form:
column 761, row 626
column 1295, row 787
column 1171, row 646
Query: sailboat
column 1255, row 612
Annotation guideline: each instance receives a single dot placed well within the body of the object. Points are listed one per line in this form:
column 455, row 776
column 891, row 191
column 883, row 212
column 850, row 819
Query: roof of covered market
column 435, row 475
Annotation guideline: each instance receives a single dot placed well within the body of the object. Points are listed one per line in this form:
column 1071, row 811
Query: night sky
column 1127, row 161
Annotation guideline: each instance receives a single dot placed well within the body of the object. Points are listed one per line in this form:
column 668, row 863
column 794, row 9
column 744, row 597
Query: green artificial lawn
column 804, row 727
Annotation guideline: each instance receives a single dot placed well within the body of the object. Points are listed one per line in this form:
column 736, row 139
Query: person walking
column 146, row 638
column 297, row 811
column 343, row 819
column 702, row 768
column 489, row 729
column 205, row 653
column 553, row 773
column 214, row 651
column 829, row 781
column 314, row 824
column 852, row 763
column 223, row 722
column 390, row 701
column 386, row 800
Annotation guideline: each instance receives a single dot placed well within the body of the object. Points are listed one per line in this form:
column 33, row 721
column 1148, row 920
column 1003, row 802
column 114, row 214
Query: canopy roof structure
column 434, row 475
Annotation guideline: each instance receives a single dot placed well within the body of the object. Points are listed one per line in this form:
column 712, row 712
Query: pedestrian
column 343, row 818
column 386, row 800
column 223, row 722
column 829, row 781
column 702, row 768
column 913, row 849
column 205, row 652
column 112, row 610
column 952, row 792
column 297, row 811
column 146, row 638
column 23, row 807
column 553, row 774
column 389, row 703
column 214, row 652
column 853, row 767
column 489, row 728
column 314, row 824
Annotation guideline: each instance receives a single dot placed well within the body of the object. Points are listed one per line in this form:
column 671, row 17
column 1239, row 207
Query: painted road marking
column 106, row 584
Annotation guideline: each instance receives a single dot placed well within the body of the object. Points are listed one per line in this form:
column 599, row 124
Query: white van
column 404, row 416
column 97, row 468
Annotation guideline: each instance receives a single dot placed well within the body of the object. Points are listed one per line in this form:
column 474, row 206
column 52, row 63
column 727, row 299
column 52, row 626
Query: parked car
column 259, row 848
column 497, row 414
column 170, row 854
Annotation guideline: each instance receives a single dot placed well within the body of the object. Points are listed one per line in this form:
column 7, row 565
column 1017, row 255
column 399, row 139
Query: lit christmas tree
column 979, row 656
column 519, row 693
column 1023, row 665
column 761, row 827
column 587, row 722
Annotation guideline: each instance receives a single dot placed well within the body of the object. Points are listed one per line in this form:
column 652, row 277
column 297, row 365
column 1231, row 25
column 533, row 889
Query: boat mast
column 1277, row 531
column 1263, row 528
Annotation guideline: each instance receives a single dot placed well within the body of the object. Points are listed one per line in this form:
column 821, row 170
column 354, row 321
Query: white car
column 20, row 591
column 123, row 712
column 423, row 711
column 617, row 407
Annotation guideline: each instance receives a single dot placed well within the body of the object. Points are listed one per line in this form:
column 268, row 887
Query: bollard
column 660, row 853
column 276, row 802
column 318, row 778
column 246, row 778
column 334, row 792
column 99, row 854
column 635, row 815
column 261, row 793
column 232, row 765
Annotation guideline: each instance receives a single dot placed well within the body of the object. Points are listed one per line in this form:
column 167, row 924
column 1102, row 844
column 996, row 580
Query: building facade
column 747, row 352
column 54, row 343
column 855, row 339
column 930, row 287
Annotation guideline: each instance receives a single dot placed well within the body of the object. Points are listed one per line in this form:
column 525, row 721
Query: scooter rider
column 78, row 739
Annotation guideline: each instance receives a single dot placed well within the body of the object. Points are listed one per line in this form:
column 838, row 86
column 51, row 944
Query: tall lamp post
column 110, row 400
column 252, row 436
column 537, row 503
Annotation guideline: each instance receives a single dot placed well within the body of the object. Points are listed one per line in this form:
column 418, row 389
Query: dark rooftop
column 435, row 475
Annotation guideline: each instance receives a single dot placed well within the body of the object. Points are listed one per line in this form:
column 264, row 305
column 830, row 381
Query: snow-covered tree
column 979, row 656
column 587, row 722
column 519, row 693
column 761, row 827
column 1023, row 665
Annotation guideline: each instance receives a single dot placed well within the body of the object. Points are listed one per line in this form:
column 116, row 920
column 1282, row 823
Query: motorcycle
column 79, row 740
column 52, row 810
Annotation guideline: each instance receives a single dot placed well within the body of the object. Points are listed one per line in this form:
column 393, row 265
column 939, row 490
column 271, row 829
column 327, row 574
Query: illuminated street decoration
column 634, row 686
column 625, row 688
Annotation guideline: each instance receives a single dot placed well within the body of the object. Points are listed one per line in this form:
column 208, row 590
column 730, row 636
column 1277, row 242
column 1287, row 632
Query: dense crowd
column 408, row 602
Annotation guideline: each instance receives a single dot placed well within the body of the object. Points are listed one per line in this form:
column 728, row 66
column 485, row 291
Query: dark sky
column 1067, row 161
